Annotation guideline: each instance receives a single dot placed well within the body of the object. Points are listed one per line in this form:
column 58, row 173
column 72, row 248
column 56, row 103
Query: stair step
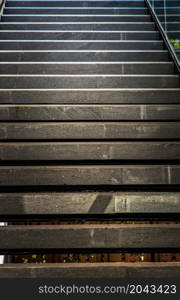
column 76, row 35
column 173, row 34
column 169, row 10
column 77, row 10
column 89, row 175
column 84, row 55
column 91, row 203
column 93, row 151
column 76, row 112
column 172, row 26
column 75, row 18
column 89, row 270
column 119, row 26
column 87, row 68
column 80, row 45
column 75, row 3
column 89, row 130
column 170, row 17
column 90, row 96
column 88, row 81
column 90, row 237
column 169, row 3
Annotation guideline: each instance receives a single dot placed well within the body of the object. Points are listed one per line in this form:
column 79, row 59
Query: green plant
column 175, row 44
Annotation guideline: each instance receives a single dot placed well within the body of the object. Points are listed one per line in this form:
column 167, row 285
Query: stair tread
column 89, row 151
column 143, row 236
column 91, row 270
column 90, row 203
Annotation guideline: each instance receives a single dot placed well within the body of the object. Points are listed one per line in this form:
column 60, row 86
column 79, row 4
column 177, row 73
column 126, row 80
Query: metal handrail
column 2, row 5
column 164, row 36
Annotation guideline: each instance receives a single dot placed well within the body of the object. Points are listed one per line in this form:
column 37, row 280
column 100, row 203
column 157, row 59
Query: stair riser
column 170, row 18
column 166, row 96
column 79, row 236
column 89, row 131
column 169, row 3
column 171, row 26
column 169, row 11
column 92, row 270
column 84, row 56
column 173, row 35
column 76, row 10
column 89, row 112
column 79, row 35
column 86, row 68
column 83, row 203
column 88, row 176
column 89, row 151
column 89, row 82
column 79, row 45
column 75, row 18
column 78, row 26
column 43, row 4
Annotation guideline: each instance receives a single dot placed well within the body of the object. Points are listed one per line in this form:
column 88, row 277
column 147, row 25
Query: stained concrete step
column 91, row 203
column 80, row 45
column 91, row 112
column 87, row 68
column 75, row 18
column 119, row 26
column 90, row 96
column 88, row 81
column 84, row 55
column 105, row 236
column 89, row 175
column 76, row 35
column 77, row 10
column 75, row 3
column 94, row 151
column 89, row 130
column 89, row 270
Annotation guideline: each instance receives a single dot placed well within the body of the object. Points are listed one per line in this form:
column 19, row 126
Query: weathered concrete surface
column 82, row 151
column 89, row 203
column 80, row 112
column 91, row 270
column 88, row 175
column 89, row 130
column 90, row 237
column 91, row 96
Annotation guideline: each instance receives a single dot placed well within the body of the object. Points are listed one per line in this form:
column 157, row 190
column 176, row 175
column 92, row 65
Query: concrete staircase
column 90, row 129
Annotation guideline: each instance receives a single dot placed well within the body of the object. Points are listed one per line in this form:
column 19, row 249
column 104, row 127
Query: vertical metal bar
column 165, row 17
